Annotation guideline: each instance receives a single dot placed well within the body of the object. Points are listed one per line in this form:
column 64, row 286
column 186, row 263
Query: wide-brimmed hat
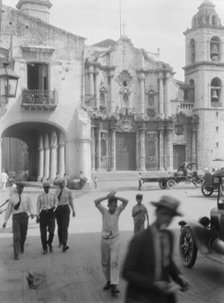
column 170, row 204
column 46, row 184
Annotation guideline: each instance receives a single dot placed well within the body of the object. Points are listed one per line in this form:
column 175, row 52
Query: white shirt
column 25, row 205
column 45, row 202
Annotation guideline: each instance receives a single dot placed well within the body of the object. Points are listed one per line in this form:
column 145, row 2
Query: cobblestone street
column 76, row 276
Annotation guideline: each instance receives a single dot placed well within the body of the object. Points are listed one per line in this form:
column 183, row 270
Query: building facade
column 44, row 130
column 141, row 117
column 204, row 70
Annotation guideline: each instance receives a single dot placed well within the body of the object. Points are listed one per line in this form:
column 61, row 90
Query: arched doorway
column 33, row 151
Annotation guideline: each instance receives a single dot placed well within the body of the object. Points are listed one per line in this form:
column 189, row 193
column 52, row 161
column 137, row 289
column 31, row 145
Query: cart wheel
column 206, row 191
column 162, row 184
column 170, row 183
column 188, row 249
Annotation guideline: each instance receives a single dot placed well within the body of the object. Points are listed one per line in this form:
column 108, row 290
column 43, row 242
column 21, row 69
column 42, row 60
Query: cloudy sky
column 150, row 24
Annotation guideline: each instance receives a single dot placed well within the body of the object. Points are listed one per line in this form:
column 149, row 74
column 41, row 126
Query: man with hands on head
column 110, row 244
column 19, row 206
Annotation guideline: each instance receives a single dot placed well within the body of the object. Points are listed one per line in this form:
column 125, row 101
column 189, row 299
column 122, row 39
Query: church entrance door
column 126, row 151
column 179, row 155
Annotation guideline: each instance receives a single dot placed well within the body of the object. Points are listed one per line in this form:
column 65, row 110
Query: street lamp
column 8, row 82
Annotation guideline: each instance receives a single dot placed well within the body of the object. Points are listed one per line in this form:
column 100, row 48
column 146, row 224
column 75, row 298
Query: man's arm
column 71, row 204
column 7, row 213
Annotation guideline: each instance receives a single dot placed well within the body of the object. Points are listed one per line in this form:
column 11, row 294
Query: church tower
column 36, row 8
column 204, row 71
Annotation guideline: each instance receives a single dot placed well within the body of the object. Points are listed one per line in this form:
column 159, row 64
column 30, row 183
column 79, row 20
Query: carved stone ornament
column 126, row 125
column 179, row 129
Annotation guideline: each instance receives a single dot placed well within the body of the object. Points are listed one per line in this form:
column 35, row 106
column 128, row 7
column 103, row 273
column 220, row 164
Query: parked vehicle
column 210, row 184
column 205, row 235
column 187, row 173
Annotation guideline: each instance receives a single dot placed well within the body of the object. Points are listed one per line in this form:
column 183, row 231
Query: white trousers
column 110, row 249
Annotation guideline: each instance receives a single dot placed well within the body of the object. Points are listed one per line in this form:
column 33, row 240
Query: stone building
column 141, row 117
column 44, row 129
column 204, row 70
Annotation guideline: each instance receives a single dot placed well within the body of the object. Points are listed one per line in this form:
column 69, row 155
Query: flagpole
column 120, row 16
column 0, row 17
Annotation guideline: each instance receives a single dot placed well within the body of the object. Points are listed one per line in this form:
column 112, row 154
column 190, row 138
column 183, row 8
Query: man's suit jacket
column 139, row 270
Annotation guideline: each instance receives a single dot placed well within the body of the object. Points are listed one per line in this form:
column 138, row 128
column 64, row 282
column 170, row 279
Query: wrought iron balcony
column 44, row 100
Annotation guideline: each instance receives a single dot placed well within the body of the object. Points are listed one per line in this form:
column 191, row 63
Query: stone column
column 91, row 83
column 194, row 145
column 142, row 148
column 53, row 155
column 46, row 157
column 41, row 158
column 61, row 156
column 93, row 148
column 113, row 149
column 169, row 148
column 161, row 95
column 98, row 148
column 166, row 95
column 142, row 93
column 161, row 147
column 85, row 159
column 96, row 86
column 0, row 161
column 111, row 91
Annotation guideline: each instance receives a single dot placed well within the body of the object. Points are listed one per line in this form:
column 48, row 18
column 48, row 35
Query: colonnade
column 51, row 156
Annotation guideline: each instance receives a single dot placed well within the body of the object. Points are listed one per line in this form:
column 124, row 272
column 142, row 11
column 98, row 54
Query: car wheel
column 162, row 184
column 206, row 191
column 170, row 183
column 188, row 249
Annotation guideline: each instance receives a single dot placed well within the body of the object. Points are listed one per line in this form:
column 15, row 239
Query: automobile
column 187, row 172
column 205, row 235
column 210, row 184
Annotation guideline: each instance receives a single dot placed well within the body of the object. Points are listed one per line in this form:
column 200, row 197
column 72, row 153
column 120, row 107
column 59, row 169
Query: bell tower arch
column 204, row 66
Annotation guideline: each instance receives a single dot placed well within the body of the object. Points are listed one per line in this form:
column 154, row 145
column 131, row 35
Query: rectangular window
column 37, row 76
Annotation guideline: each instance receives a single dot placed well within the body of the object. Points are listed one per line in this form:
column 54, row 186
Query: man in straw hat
column 149, row 268
column 46, row 204
column 19, row 206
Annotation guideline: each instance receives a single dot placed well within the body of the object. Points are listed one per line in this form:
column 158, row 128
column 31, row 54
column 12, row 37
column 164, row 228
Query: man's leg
column 51, row 228
column 43, row 230
column 114, row 264
column 105, row 260
column 65, row 225
column 58, row 214
column 24, row 227
column 16, row 236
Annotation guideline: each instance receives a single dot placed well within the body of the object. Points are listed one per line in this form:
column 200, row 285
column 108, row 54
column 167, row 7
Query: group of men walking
column 49, row 207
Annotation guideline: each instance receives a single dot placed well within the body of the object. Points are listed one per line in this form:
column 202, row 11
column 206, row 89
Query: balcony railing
column 33, row 99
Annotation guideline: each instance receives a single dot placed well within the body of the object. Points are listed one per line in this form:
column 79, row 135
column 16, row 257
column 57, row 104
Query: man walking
column 65, row 202
column 149, row 267
column 19, row 206
column 110, row 245
column 46, row 204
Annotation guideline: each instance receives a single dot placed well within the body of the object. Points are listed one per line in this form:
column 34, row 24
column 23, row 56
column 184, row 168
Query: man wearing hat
column 19, row 206
column 46, row 204
column 65, row 202
column 149, row 268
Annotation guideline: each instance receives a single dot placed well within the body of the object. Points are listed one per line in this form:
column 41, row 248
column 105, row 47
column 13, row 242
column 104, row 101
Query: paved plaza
column 76, row 276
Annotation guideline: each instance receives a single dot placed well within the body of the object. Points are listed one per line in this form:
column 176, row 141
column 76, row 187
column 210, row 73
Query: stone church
column 109, row 106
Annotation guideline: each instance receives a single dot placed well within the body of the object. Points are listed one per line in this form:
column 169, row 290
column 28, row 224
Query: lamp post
column 8, row 85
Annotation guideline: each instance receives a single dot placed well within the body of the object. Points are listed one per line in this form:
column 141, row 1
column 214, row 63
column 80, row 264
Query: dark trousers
column 63, row 216
column 47, row 224
column 19, row 229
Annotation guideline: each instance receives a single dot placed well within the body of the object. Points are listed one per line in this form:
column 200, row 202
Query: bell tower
column 204, row 72
column 36, row 8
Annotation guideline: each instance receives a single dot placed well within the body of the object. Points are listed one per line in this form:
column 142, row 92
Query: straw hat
column 170, row 204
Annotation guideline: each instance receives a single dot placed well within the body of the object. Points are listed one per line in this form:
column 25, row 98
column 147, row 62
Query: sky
column 150, row 24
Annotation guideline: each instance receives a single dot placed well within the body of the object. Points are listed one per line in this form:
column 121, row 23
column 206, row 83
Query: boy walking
column 110, row 244
column 139, row 214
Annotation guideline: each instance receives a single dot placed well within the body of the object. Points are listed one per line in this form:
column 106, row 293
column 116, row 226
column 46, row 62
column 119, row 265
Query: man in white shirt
column 110, row 244
column 46, row 204
column 19, row 206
